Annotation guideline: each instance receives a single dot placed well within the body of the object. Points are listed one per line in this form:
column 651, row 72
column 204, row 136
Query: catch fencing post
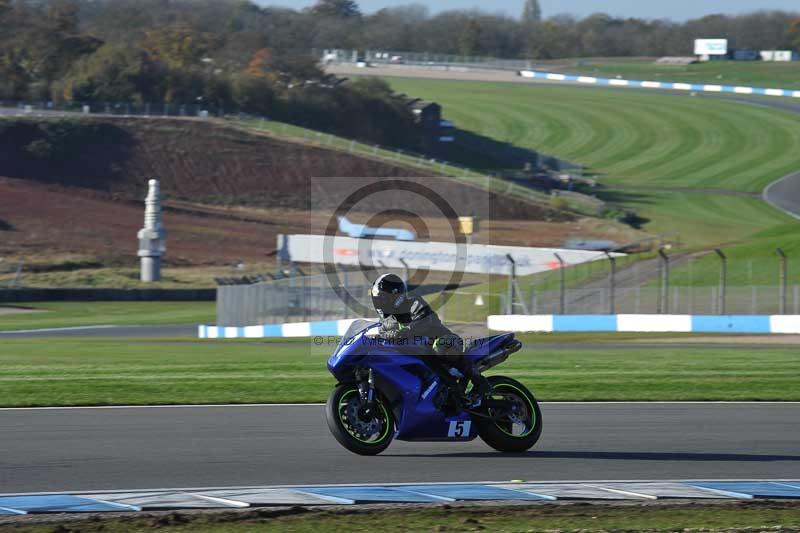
column 611, row 283
column 346, row 284
column 405, row 270
column 511, row 280
column 663, row 295
column 723, row 274
column 783, row 271
column 562, row 296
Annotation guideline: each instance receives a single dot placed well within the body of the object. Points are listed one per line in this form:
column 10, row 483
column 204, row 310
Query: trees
column 794, row 33
column 179, row 45
column 469, row 39
column 114, row 73
column 342, row 9
column 531, row 13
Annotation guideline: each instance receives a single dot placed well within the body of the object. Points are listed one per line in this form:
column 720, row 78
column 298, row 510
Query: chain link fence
column 293, row 299
column 705, row 284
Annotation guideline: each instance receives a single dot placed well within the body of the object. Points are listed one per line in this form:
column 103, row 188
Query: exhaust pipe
column 499, row 356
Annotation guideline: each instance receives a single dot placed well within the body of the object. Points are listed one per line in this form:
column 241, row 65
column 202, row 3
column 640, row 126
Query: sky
column 678, row 10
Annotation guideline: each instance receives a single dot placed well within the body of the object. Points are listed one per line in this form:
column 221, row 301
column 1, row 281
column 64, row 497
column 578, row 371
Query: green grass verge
column 688, row 151
column 729, row 516
column 746, row 73
column 71, row 314
column 628, row 137
column 61, row 371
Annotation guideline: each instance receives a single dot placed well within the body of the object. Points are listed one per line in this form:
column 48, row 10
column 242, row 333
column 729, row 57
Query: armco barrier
column 293, row 329
column 647, row 323
column 697, row 87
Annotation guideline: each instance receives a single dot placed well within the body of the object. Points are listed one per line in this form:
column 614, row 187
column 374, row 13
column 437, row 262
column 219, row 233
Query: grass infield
column 64, row 372
column 73, row 314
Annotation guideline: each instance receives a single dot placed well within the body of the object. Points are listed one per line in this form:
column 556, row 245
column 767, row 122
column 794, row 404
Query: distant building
column 428, row 116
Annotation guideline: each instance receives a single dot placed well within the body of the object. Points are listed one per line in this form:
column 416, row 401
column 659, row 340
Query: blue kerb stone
column 61, row 503
column 758, row 489
column 273, row 330
column 584, row 323
column 731, row 324
column 370, row 494
column 329, row 327
column 473, row 492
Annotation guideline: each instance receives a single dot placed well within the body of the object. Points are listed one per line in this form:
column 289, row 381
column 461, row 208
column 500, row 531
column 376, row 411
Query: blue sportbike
column 389, row 391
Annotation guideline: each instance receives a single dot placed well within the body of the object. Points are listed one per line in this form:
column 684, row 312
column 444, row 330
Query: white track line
column 203, row 406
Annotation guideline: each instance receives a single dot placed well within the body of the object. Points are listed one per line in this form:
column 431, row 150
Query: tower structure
column 153, row 236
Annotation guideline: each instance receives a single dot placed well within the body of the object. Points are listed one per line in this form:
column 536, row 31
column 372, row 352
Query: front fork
column 366, row 389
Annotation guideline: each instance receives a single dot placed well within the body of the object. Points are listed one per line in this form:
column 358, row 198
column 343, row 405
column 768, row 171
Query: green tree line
column 237, row 55
column 217, row 54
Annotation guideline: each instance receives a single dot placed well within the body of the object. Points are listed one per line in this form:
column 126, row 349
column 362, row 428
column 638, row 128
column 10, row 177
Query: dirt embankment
column 75, row 187
column 209, row 163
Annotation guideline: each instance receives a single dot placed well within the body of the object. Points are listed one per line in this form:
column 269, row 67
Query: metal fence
column 280, row 302
column 423, row 59
column 753, row 300
column 696, row 283
column 10, row 273
column 293, row 299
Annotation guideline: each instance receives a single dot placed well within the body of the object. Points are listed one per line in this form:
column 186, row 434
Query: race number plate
column 459, row 428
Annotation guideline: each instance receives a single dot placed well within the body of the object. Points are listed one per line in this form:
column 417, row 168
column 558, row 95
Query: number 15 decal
column 459, row 429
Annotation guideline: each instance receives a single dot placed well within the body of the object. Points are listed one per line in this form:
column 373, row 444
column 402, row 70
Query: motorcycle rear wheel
column 362, row 435
column 519, row 427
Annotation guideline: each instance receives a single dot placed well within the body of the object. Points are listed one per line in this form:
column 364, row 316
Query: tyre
column 364, row 435
column 516, row 428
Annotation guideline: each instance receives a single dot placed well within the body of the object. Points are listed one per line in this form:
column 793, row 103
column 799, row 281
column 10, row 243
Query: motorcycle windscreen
column 354, row 330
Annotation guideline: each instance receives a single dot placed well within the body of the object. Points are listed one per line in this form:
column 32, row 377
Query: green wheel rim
column 531, row 410
column 346, row 423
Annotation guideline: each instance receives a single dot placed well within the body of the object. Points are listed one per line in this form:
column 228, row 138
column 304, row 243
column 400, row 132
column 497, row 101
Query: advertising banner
column 710, row 47
column 440, row 256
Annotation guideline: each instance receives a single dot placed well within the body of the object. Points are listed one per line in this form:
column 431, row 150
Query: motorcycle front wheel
column 357, row 430
column 517, row 425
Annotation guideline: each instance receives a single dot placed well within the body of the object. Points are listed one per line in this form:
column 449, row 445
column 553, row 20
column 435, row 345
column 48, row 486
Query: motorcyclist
column 410, row 317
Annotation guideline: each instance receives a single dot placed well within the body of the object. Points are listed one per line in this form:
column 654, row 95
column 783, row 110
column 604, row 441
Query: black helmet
column 389, row 294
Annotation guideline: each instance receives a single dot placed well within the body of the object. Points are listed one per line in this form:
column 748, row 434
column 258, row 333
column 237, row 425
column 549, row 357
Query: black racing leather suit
column 417, row 320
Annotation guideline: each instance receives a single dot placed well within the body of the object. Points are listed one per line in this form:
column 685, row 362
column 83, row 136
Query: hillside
column 71, row 198
column 692, row 167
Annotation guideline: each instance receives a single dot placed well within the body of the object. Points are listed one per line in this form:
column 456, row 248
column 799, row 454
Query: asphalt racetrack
column 191, row 447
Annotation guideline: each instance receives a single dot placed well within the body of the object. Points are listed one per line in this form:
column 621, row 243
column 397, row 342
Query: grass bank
column 691, row 167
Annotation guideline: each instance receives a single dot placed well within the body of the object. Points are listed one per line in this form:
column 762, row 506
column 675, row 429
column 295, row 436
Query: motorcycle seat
column 485, row 345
